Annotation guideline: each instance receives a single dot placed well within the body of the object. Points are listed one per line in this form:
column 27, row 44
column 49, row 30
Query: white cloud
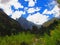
column 25, row 8
column 53, row 2
column 47, row 12
column 32, row 10
column 26, row 0
column 35, row 1
column 17, row 14
column 31, row 3
column 7, row 6
column 16, row 4
column 38, row 8
column 55, row 11
column 8, row 11
column 37, row 18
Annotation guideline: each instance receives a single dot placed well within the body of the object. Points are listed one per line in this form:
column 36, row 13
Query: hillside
column 48, row 34
column 34, row 39
column 8, row 25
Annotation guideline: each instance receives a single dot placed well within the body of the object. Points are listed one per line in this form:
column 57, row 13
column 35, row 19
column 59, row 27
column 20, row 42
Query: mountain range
column 10, row 26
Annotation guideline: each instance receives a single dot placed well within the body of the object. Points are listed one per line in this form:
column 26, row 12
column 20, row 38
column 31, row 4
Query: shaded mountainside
column 47, row 27
column 8, row 25
column 52, row 21
column 25, row 23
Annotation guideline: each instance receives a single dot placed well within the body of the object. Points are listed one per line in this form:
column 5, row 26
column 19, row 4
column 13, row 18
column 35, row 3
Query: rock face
column 8, row 25
column 25, row 23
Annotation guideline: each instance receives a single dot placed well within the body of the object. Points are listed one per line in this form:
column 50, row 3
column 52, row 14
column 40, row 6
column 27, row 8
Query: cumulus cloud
column 8, row 11
column 17, row 14
column 31, row 3
column 32, row 10
column 16, row 4
column 7, row 6
column 37, row 18
column 55, row 11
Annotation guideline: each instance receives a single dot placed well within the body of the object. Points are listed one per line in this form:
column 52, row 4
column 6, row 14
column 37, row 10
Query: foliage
column 8, row 25
column 46, row 35
column 58, row 1
column 27, row 38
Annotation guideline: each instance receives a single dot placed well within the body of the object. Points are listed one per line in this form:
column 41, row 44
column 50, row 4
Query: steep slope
column 25, row 23
column 48, row 23
column 8, row 25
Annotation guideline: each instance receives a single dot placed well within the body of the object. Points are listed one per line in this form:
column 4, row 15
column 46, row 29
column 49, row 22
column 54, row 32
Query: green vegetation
column 11, row 33
column 27, row 38
column 8, row 25
column 58, row 1
column 31, row 39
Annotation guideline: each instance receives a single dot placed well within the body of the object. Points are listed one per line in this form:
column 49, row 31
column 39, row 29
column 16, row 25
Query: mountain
column 48, row 23
column 29, row 25
column 25, row 23
column 8, row 25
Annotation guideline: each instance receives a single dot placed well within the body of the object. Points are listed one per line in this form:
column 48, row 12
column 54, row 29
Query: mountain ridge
column 8, row 25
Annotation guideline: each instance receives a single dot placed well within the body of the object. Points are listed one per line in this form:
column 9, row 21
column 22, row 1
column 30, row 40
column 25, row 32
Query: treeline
column 45, row 28
column 9, row 26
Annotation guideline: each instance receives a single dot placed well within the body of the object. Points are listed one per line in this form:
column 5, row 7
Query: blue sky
column 32, row 10
column 43, row 4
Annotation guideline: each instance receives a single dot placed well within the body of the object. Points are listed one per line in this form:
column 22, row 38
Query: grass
column 16, row 39
column 27, row 38
column 31, row 39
